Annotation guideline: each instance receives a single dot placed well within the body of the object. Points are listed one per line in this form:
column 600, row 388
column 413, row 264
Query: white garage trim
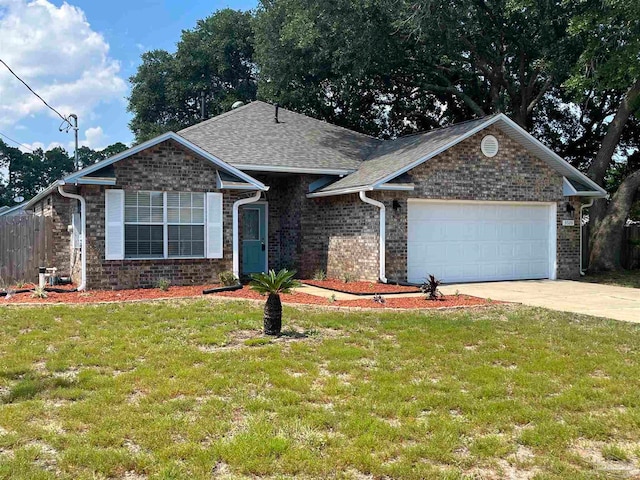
column 552, row 226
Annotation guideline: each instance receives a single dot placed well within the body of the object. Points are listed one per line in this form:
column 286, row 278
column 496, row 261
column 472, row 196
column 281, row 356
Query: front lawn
column 624, row 278
column 189, row 389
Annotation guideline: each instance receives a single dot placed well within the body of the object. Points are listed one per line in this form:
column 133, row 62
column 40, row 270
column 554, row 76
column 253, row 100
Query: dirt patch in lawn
column 361, row 288
column 403, row 303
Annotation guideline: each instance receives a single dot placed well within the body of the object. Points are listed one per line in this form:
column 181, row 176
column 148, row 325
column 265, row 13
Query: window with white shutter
column 114, row 224
column 214, row 225
column 164, row 225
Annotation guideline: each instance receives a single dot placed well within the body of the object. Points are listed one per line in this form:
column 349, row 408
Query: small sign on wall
column 568, row 223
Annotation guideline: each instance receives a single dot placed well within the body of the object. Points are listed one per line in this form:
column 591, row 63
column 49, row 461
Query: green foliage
column 274, row 283
column 214, row 59
column 228, row 278
column 319, row 275
column 39, row 292
column 257, row 342
column 347, row 277
column 163, row 284
column 30, row 172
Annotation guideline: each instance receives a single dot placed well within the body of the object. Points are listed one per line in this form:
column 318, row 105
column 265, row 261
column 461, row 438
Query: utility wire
column 16, row 142
column 32, row 91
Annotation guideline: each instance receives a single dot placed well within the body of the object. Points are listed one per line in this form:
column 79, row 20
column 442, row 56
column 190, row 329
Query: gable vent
column 489, row 146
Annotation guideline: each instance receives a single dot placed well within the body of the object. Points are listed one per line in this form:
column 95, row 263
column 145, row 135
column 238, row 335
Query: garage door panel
column 461, row 242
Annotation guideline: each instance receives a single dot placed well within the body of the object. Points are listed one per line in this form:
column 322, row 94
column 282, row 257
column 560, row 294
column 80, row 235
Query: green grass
column 624, row 278
column 192, row 390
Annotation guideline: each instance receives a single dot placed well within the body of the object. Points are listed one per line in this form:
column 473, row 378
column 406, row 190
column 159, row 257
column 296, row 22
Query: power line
column 32, row 91
column 16, row 142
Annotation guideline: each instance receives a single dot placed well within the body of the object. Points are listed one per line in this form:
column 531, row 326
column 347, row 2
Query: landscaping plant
column 319, row 275
column 273, row 284
column 228, row 279
column 163, row 284
column 430, row 288
column 39, row 292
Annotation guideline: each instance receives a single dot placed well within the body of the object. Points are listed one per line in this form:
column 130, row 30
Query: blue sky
column 79, row 55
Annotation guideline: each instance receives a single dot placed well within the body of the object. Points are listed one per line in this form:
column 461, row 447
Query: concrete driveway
column 619, row 303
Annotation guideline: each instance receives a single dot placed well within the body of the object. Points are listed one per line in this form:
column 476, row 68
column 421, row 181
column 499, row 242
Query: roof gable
column 88, row 174
column 396, row 157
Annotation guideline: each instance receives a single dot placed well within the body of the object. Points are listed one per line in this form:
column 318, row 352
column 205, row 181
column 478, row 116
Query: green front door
column 254, row 238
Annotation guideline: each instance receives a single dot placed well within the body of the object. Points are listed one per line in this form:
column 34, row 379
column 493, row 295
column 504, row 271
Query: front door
column 254, row 238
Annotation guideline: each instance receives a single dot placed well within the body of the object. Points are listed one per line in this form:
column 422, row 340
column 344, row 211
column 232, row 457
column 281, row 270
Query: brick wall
column 165, row 167
column 464, row 173
column 60, row 210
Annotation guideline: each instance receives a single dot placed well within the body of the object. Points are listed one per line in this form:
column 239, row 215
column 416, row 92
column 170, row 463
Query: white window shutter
column 214, row 225
column 114, row 224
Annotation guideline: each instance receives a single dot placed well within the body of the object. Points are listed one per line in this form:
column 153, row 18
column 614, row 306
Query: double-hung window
column 164, row 225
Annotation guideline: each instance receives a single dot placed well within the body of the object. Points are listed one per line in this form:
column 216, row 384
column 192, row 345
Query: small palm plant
column 273, row 284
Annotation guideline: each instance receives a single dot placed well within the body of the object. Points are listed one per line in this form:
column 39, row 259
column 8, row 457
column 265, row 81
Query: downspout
column 83, row 247
column 582, row 207
column 236, row 236
column 383, row 223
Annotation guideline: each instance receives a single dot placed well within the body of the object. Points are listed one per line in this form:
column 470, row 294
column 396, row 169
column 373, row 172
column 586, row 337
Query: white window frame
column 165, row 224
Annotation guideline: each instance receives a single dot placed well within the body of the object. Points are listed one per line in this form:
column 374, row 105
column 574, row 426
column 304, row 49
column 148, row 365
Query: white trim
column 266, row 230
column 75, row 177
column 397, row 187
column 569, row 190
column 285, row 169
column 582, row 207
column 95, row 181
column 382, row 234
column 341, row 191
column 236, row 236
column 221, row 185
column 553, row 222
column 516, row 129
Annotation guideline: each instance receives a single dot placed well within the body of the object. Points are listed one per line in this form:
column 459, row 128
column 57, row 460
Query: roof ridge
column 371, row 137
column 220, row 116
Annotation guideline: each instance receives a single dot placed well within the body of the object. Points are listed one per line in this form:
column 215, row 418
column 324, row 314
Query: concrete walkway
column 619, row 303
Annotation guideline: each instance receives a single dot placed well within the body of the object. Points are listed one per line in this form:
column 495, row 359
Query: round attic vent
column 489, row 146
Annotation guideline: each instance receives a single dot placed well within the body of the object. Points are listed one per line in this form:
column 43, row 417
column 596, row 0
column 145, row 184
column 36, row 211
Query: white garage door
column 476, row 241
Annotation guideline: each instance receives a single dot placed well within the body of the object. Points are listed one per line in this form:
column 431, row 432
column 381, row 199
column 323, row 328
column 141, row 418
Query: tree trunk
column 273, row 315
column 607, row 241
column 600, row 165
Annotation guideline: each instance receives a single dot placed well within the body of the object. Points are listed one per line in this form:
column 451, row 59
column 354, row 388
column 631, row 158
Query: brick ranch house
column 257, row 188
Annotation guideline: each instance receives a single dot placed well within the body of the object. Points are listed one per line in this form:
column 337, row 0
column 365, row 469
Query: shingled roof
column 249, row 138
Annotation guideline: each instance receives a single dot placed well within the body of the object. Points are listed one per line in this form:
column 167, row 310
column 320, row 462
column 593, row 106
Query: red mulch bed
column 404, row 302
column 95, row 296
column 369, row 288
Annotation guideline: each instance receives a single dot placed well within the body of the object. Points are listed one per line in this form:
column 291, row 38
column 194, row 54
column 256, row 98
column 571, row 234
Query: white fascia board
column 397, row 187
column 73, row 178
column 285, row 169
column 568, row 190
column 222, row 185
column 404, row 187
column 95, row 181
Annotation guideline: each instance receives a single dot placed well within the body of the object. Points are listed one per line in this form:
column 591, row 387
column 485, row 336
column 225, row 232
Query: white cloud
column 55, row 50
column 94, row 138
column 28, row 147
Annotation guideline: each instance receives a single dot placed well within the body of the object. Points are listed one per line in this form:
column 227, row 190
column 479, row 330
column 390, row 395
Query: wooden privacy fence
column 26, row 243
column 630, row 252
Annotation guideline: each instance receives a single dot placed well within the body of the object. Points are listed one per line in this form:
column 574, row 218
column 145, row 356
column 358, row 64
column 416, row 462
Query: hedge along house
column 260, row 187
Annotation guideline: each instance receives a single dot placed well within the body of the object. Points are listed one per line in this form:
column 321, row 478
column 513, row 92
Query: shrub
column 39, row 292
column 20, row 284
column 332, row 298
column 163, row 284
column 319, row 275
column 347, row 277
column 273, row 284
column 430, row 288
column 228, row 278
